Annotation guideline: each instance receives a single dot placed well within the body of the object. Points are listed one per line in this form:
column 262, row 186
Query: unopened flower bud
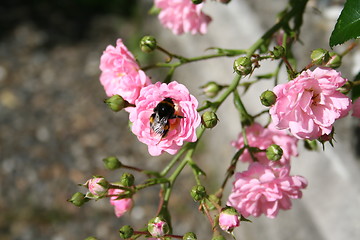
column 268, row 98
column 274, row 152
column 243, row 66
column 278, row 52
column 310, row 145
column 327, row 138
column 126, row 232
column 112, row 163
column 211, row 89
column 189, row 236
column 197, row 1
column 320, row 56
column 346, row 88
column 148, row 44
column 158, row 227
column 198, row 193
column 209, row 119
column 229, row 219
column 78, row 199
column 334, row 61
column 116, row 103
column 127, row 180
column 98, row 186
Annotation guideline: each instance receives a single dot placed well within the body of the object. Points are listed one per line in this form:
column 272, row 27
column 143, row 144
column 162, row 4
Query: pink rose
column 262, row 138
column 309, row 105
column 182, row 16
column 121, row 73
column 180, row 129
column 264, row 190
column 120, row 205
column 356, row 108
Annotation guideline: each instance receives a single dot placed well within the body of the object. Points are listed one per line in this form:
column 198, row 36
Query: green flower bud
column 209, row 119
column 310, row 145
column 189, row 236
column 243, row 66
column 197, row 1
column 91, row 238
column 158, row 227
column 346, row 88
column 334, row 61
column 198, row 193
column 116, row 103
column 126, row 232
column 319, row 56
column 274, row 152
column 268, row 98
column 211, row 89
column 148, row 44
column 112, row 163
column 78, row 199
column 127, row 180
column 278, row 52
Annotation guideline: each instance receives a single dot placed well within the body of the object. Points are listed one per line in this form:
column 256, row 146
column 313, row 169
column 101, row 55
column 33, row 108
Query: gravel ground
column 54, row 127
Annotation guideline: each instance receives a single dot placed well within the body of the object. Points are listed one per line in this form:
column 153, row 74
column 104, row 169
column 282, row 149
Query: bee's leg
column 176, row 116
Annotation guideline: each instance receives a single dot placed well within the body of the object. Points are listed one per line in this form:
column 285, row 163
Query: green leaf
column 348, row 24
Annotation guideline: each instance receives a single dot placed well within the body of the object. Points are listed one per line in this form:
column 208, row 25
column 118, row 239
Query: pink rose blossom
column 264, row 190
column 262, row 138
column 309, row 105
column 356, row 108
column 121, row 73
column 120, row 205
column 181, row 129
column 182, row 16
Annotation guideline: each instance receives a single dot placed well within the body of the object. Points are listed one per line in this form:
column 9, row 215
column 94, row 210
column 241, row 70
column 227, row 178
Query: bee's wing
column 158, row 126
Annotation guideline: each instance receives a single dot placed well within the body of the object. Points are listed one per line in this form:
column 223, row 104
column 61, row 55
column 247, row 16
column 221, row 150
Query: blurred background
column 55, row 129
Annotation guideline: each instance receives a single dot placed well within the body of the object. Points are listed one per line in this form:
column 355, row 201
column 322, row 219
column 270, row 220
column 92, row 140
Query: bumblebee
column 159, row 120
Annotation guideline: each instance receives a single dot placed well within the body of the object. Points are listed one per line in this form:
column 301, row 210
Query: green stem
column 174, row 160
